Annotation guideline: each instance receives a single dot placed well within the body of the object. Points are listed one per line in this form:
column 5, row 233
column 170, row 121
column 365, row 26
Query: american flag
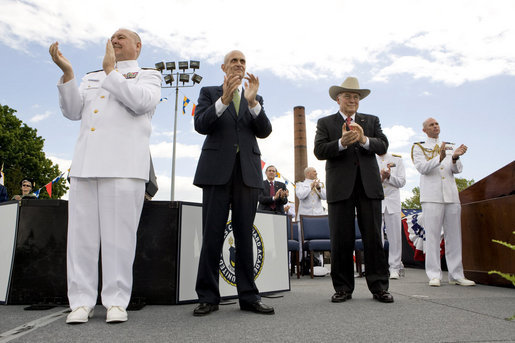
column 413, row 225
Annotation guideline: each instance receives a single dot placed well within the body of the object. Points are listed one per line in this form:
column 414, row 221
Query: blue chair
column 315, row 235
column 294, row 245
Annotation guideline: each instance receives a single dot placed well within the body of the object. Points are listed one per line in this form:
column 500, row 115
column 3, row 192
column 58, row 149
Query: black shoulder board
column 449, row 143
column 150, row 69
column 95, row 71
column 419, row 143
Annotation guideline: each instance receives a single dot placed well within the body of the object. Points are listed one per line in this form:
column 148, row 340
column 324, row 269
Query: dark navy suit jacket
column 265, row 200
column 224, row 135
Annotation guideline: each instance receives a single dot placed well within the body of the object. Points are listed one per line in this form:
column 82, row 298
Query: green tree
column 414, row 201
column 21, row 153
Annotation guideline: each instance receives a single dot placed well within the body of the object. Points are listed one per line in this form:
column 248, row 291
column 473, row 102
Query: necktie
column 236, row 100
column 349, row 119
column 272, row 194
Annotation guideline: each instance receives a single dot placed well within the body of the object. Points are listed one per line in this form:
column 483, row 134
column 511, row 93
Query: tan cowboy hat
column 350, row 84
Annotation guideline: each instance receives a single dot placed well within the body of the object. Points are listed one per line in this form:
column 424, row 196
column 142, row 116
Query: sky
column 451, row 60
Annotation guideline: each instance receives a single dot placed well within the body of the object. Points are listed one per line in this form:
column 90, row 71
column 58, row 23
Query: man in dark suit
column 229, row 173
column 273, row 196
column 349, row 141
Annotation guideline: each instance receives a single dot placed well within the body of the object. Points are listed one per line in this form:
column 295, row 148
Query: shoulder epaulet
column 399, row 156
column 449, row 143
column 418, row 143
column 95, row 71
column 150, row 69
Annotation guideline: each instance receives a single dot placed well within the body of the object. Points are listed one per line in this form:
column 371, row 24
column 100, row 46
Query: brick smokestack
column 300, row 146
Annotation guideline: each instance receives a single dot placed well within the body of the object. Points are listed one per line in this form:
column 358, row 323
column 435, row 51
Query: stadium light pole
column 172, row 72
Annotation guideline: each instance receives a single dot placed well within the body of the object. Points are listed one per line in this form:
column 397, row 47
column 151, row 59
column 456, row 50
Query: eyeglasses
column 26, row 185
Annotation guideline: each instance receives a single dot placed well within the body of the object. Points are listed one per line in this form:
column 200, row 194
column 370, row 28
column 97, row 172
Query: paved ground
column 305, row 314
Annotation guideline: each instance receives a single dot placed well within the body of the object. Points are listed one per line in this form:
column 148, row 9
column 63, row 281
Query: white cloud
column 63, row 164
column 184, row 189
column 39, row 117
column 450, row 42
column 399, row 136
column 165, row 150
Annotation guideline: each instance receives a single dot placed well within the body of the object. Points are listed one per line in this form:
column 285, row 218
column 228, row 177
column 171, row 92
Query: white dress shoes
column 79, row 315
column 394, row 275
column 116, row 314
column 462, row 282
column 434, row 283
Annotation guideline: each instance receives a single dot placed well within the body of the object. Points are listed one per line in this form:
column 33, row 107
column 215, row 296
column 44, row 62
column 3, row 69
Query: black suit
column 353, row 182
column 229, row 172
column 266, row 201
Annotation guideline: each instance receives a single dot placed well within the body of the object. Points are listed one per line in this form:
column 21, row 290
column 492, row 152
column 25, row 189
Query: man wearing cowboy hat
column 349, row 141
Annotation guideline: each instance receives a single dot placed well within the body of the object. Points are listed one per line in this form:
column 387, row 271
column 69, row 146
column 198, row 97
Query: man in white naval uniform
column 109, row 169
column 310, row 192
column 393, row 177
column 437, row 162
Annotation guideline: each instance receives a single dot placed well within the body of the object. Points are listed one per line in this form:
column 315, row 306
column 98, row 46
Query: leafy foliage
column 21, row 152
column 414, row 201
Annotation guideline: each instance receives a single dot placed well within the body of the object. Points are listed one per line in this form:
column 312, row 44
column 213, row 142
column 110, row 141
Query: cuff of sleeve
column 340, row 146
column 366, row 145
column 254, row 111
column 220, row 107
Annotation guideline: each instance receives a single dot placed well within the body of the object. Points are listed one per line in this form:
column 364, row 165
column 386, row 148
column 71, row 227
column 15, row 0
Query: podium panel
column 270, row 254
column 39, row 269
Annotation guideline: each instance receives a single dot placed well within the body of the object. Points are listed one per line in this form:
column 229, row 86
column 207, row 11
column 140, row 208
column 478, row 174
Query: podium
column 169, row 240
column 488, row 212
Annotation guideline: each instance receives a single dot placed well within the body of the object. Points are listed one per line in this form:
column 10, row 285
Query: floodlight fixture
column 183, row 65
column 184, row 78
column 195, row 65
column 168, row 79
column 170, row 65
column 160, row 66
column 196, row 78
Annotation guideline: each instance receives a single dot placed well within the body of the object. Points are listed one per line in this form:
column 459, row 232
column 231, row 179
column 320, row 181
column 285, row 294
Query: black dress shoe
column 257, row 307
column 204, row 308
column 340, row 297
column 383, row 296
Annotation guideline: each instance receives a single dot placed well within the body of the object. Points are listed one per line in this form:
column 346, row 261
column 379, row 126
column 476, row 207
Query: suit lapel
column 361, row 120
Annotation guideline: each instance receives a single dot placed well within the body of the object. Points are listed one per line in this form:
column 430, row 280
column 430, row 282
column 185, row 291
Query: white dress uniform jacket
column 310, row 200
column 437, row 182
column 392, row 195
column 115, row 113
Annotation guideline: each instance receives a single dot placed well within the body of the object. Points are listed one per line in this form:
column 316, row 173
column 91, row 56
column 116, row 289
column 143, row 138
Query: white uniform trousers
column 448, row 216
column 392, row 222
column 102, row 213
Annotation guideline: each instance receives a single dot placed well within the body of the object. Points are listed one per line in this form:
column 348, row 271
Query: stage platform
column 419, row 314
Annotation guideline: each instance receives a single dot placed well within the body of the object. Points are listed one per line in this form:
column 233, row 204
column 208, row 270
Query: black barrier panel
column 39, row 269
column 155, row 266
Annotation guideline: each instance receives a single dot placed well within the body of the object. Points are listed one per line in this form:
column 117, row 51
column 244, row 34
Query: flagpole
column 172, row 191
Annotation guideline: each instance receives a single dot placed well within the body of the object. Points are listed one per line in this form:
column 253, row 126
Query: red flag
column 262, row 164
column 193, row 110
column 48, row 187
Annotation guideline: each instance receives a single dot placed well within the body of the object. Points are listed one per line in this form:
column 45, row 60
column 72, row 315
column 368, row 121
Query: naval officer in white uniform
column 109, row 169
column 437, row 162
column 393, row 177
column 310, row 192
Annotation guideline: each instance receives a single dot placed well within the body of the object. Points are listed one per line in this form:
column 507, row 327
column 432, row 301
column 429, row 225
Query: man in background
column 273, row 196
column 393, row 177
